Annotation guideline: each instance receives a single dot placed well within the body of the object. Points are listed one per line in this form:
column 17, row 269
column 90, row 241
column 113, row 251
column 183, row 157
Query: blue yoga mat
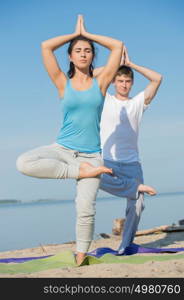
column 21, row 259
column 133, row 249
column 98, row 252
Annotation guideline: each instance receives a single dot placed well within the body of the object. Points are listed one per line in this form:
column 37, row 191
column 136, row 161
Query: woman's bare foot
column 87, row 170
column 147, row 189
column 80, row 257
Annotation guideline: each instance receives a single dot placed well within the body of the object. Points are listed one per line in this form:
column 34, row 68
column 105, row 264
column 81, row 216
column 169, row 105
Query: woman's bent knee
column 21, row 163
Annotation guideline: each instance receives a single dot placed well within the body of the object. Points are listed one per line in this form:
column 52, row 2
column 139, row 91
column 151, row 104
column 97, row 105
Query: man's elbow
column 160, row 78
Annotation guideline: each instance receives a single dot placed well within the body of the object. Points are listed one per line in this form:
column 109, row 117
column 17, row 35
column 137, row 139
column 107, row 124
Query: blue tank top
column 81, row 115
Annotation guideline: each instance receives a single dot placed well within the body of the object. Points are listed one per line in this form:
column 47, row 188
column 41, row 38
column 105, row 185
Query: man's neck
column 122, row 97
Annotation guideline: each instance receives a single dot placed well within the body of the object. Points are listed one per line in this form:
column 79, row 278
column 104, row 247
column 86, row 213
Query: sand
column 153, row 269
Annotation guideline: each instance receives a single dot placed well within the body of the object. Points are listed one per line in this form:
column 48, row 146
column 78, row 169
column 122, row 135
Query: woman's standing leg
column 87, row 189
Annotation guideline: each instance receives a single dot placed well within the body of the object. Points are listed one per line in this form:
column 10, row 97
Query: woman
column 77, row 153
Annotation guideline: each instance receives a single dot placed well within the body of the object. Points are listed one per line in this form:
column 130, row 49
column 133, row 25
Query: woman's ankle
column 80, row 256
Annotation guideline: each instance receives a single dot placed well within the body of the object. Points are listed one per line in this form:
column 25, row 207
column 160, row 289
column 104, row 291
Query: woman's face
column 81, row 55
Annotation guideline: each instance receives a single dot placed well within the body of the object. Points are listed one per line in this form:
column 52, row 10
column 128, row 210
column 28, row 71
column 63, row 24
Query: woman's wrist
column 86, row 34
column 75, row 34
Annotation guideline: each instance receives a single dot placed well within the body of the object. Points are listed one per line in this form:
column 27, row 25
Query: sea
column 36, row 223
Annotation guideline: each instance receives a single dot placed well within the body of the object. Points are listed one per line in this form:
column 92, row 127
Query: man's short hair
column 125, row 70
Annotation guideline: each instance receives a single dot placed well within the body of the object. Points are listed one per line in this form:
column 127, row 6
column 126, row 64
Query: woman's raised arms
column 50, row 62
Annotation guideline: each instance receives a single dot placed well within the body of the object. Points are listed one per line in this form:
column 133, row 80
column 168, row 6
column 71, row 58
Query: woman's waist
column 78, row 150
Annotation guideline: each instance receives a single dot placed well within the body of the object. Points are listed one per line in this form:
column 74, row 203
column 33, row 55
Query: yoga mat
column 132, row 249
column 61, row 260
column 21, row 259
column 97, row 256
column 67, row 259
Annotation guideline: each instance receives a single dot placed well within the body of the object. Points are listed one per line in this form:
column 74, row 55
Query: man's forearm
column 148, row 73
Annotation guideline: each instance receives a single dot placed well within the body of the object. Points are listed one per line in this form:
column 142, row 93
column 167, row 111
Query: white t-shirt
column 120, row 122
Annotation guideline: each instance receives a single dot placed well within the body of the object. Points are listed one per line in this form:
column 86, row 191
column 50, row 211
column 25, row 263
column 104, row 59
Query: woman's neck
column 81, row 75
column 81, row 81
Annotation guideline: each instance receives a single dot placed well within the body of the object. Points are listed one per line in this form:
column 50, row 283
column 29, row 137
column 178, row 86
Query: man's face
column 123, row 84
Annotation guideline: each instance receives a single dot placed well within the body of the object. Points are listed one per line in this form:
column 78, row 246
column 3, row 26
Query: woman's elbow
column 117, row 46
column 43, row 45
column 120, row 45
column 21, row 164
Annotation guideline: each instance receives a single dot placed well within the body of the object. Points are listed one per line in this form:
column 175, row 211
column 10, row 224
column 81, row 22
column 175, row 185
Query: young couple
column 91, row 117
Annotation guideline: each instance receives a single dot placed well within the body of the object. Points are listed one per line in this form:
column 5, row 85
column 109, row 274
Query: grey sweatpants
column 58, row 162
column 124, row 183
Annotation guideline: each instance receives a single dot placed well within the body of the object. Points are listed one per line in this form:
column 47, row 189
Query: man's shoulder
column 138, row 99
column 139, row 95
column 109, row 99
column 108, row 96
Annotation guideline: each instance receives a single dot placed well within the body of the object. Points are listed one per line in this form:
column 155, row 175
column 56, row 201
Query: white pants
column 57, row 162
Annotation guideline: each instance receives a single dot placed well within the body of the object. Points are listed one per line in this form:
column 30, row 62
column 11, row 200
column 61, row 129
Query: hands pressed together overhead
column 125, row 60
column 80, row 27
column 81, row 30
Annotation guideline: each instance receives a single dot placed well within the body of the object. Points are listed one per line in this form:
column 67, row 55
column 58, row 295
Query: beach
column 172, row 268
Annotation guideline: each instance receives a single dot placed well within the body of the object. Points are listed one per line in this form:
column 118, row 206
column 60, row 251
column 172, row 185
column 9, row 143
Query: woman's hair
column 71, row 70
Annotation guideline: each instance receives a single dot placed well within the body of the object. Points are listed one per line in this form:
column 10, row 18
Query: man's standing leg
column 134, row 206
column 133, row 213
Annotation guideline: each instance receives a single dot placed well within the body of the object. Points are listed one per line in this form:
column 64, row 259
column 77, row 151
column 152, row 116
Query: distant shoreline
column 51, row 200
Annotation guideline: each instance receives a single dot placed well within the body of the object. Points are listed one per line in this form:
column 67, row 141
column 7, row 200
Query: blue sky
column 30, row 110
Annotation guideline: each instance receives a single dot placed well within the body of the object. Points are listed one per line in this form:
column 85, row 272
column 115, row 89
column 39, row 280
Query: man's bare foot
column 87, row 170
column 147, row 189
column 80, row 257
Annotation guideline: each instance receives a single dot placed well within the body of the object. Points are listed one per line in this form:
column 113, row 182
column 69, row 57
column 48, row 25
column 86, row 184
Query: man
column 120, row 123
